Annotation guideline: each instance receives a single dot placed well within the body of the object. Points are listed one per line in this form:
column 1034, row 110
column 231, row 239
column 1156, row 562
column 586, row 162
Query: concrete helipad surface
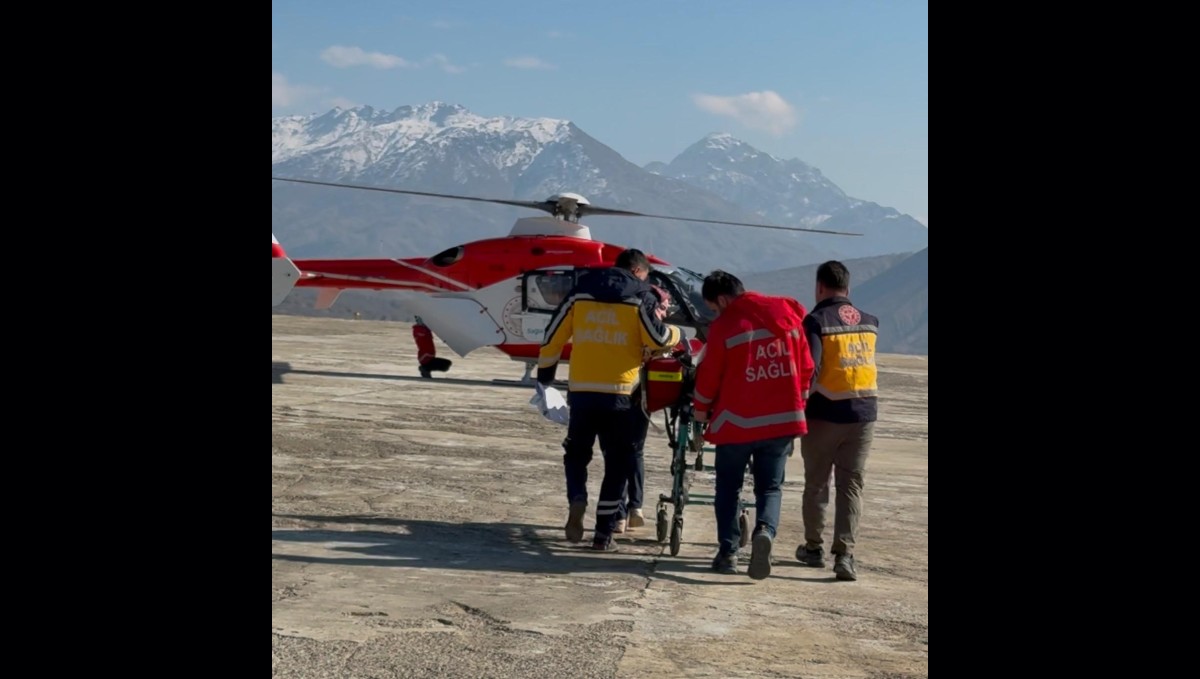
column 416, row 531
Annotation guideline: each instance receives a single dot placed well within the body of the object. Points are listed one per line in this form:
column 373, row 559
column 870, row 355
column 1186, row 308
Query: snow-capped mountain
column 790, row 192
column 445, row 148
column 433, row 144
column 780, row 190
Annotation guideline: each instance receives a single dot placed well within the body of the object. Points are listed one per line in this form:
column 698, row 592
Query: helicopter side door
column 542, row 290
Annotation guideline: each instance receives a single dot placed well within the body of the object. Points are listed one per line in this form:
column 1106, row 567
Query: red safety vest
column 754, row 375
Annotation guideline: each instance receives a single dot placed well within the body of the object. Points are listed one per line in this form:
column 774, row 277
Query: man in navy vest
column 841, row 412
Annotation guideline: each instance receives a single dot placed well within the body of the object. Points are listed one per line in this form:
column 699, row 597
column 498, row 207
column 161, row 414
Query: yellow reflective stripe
column 607, row 387
column 659, row 376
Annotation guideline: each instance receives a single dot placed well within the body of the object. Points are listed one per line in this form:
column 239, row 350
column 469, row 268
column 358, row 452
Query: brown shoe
column 603, row 545
column 574, row 525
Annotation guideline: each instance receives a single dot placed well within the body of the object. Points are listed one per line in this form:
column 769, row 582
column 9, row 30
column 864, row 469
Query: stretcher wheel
column 676, row 535
column 663, row 527
column 744, row 529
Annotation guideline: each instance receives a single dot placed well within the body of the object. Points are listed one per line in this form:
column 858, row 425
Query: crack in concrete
column 346, row 663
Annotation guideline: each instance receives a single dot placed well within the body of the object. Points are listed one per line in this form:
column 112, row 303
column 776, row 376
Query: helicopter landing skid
column 527, row 379
column 529, row 382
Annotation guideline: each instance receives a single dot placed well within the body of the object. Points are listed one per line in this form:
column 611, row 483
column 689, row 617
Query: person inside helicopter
column 687, row 304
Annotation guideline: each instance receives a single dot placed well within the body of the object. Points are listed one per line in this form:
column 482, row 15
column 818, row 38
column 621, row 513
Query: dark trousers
column 632, row 494
column 622, row 435
column 768, row 461
column 436, row 365
column 842, row 448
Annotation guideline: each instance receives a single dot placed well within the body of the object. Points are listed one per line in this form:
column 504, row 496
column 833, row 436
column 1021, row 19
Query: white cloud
column 528, row 62
column 341, row 102
column 757, row 110
column 441, row 61
column 343, row 57
column 284, row 93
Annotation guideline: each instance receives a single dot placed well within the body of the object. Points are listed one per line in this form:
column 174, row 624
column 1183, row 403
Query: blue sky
column 843, row 86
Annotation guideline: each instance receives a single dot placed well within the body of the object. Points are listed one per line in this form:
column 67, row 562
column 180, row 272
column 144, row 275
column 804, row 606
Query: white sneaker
column 636, row 519
column 620, row 527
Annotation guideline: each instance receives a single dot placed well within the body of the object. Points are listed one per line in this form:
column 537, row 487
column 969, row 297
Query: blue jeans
column 768, row 460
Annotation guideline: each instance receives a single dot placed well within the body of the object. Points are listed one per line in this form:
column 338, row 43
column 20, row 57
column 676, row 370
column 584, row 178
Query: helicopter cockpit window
column 544, row 291
column 448, row 257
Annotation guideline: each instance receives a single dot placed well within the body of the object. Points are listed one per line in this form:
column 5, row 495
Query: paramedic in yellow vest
column 610, row 319
column 841, row 413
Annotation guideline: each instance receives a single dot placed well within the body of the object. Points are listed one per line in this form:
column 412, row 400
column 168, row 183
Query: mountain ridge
column 445, row 148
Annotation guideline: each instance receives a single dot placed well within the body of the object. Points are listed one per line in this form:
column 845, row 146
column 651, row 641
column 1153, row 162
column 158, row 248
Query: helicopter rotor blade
column 550, row 206
column 518, row 203
column 592, row 210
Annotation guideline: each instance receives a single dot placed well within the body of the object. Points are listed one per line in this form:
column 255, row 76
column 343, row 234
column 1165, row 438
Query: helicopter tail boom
column 284, row 273
column 376, row 274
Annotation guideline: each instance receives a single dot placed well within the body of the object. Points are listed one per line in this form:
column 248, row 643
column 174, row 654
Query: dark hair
column 834, row 275
column 631, row 259
column 720, row 283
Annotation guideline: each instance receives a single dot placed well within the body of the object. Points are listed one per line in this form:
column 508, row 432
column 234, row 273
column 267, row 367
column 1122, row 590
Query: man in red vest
column 426, row 353
column 751, row 388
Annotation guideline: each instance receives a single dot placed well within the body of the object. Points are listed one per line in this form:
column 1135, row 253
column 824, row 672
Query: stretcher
column 669, row 385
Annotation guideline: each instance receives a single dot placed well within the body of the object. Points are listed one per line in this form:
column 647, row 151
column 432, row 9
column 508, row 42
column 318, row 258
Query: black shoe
column 811, row 557
column 725, row 564
column 760, row 556
column 426, row 374
column 843, row 567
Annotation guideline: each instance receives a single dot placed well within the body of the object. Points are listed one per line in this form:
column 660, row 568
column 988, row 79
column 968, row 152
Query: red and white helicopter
column 499, row 292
